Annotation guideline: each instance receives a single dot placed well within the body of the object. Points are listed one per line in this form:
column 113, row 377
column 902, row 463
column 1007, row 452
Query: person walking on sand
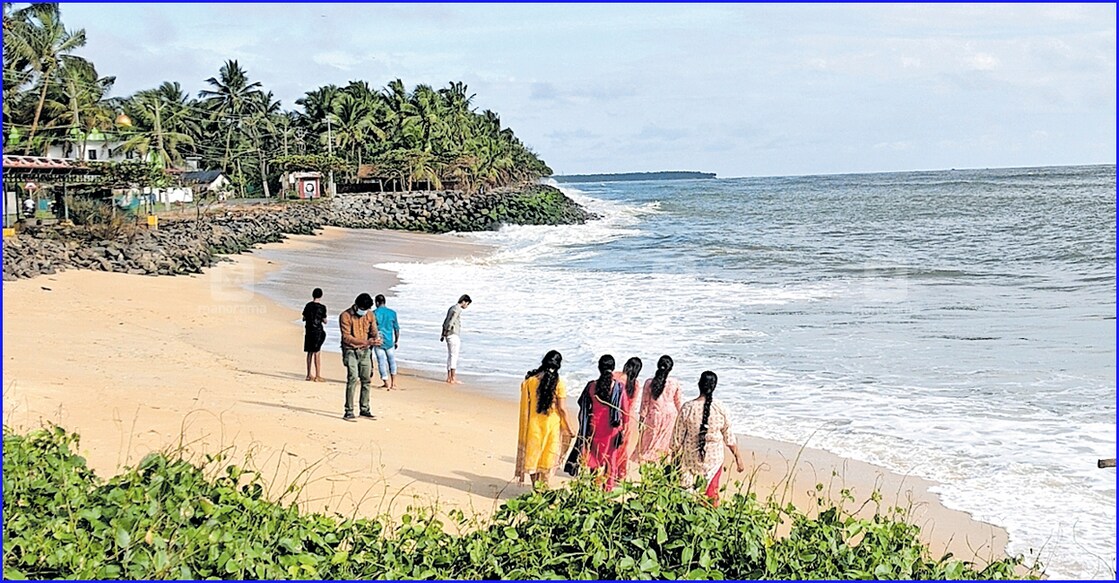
column 314, row 334
column 452, row 326
column 629, row 379
column 390, row 340
column 605, row 441
column 359, row 334
column 699, row 436
column 660, row 405
column 543, row 425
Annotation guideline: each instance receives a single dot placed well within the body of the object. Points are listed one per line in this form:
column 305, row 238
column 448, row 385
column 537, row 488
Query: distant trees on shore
column 434, row 136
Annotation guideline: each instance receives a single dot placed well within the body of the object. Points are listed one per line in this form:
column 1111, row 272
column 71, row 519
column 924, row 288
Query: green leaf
column 123, row 539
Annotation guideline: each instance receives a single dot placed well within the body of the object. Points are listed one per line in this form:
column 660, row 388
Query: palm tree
column 17, row 67
column 261, row 125
column 80, row 103
column 288, row 130
column 163, row 122
column 354, row 122
column 459, row 106
column 43, row 45
column 399, row 113
column 230, row 100
column 317, row 104
column 427, row 117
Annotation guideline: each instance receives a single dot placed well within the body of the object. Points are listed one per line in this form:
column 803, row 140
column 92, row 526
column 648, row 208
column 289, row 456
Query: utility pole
column 330, row 150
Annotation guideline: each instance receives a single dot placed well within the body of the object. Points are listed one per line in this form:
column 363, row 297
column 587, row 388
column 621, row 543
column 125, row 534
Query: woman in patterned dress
column 698, row 439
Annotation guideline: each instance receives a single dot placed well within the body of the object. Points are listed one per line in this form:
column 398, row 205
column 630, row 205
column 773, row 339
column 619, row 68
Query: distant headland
column 623, row 176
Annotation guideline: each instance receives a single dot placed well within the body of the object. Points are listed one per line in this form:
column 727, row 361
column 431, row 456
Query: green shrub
column 166, row 519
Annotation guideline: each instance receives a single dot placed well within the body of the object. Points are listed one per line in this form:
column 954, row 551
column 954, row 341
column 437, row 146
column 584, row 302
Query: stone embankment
column 184, row 246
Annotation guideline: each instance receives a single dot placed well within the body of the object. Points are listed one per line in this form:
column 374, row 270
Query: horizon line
column 841, row 173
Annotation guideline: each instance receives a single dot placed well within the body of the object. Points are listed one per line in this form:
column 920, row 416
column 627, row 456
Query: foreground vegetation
column 166, row 519
column 432, row 136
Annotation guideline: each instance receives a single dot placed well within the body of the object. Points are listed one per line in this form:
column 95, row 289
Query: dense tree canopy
column 436, row 137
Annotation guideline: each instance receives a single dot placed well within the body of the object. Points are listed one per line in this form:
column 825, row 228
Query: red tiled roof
column 40, row 163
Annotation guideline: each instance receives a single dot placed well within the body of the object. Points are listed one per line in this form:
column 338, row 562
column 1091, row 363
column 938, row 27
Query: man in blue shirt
column 390, row 339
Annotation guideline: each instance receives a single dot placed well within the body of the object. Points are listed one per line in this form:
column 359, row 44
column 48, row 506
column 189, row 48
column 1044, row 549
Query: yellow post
column 9, row 232
column 153, row 221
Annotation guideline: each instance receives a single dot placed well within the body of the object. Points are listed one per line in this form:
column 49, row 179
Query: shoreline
column 155, row 364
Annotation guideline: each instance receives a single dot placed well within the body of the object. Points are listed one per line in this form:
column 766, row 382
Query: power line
column 188, row 106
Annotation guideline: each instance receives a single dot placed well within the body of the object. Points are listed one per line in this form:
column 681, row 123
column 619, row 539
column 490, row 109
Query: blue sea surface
column 956, row 325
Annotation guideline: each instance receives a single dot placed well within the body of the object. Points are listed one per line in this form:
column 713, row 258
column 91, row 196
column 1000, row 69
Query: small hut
column 303, row 184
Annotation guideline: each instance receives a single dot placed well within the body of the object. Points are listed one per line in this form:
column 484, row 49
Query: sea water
column 956, row 325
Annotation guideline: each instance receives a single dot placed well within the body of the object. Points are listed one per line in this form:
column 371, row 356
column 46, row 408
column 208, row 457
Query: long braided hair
column 707, row 382
column 664, row 366
column 632, row 368
column 546, row 390
column 605, row 380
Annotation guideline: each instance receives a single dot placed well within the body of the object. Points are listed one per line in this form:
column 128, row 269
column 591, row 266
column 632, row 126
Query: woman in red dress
column 606, row 436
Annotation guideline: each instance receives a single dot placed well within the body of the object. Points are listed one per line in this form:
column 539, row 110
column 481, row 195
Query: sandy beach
column 136, row 364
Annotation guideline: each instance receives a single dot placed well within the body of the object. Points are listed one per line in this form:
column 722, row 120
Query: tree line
column 436, row 137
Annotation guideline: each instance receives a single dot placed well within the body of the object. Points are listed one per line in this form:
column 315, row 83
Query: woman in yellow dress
column 544, row 426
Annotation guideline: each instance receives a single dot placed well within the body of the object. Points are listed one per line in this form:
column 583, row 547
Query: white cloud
column 910, row 63
column 818, row 64
column 982, row 62
column 895, row 146
column 337, row 59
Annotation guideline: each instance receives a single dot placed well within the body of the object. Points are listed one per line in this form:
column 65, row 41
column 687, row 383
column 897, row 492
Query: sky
column 740, row 90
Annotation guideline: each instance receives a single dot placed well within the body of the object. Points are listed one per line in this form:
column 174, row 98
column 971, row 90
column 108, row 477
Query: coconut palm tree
column 163, row 122
column 230, row 100
column 354, row 123
column 400, row 113
column 288, row 132
column 260, row 128
column 42, row 44
column 317, row 104
column 426, row 117
column 79, row 103
column 459, row 108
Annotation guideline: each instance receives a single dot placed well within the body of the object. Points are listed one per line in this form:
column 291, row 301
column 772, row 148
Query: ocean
column 956, row 325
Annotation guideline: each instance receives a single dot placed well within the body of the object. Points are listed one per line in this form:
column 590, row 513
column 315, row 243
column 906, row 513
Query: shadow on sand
column 485, row 486
column 287, row 376
column 295, row 409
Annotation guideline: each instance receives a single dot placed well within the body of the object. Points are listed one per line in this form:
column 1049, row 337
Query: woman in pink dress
column 629, row 379
column 606, row 436
column 660, row 404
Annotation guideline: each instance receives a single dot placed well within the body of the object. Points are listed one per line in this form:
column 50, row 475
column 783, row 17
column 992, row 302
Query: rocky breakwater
column 446, row 211
column 184, row 246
